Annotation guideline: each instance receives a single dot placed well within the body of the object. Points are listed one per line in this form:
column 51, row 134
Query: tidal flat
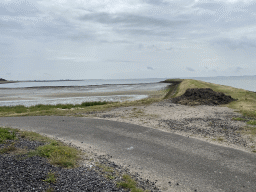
column 52, row 95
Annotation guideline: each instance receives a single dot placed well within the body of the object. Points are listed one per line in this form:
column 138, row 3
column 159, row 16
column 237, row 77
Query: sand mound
column 203, row 96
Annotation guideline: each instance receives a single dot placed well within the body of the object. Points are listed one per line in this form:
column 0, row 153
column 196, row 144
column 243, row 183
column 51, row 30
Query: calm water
column 80, row 83
column 243, row 82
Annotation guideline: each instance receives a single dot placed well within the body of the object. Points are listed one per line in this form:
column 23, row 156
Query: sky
column 122, row 39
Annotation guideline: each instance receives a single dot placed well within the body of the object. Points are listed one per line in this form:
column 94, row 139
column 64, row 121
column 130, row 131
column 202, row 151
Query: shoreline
column 78, row 94
column 5, row 82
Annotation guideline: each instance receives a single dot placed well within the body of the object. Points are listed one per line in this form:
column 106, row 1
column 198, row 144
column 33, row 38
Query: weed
column 58, row 154
column 50, row 177
column 35, row 136
column 238, row 119
column 7, row 134
column 8, row 149
column 129, row 183
column 104, row 168
column 110, row 177
column 252, row 122
column 50, row 190
column 220, row 139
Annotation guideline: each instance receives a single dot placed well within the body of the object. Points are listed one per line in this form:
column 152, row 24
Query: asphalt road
column 186, row 163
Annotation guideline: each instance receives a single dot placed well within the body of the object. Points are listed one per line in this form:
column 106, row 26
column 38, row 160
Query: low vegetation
column 129, row 183
column 59, row 109
column 58, row 154
column 51, row 178
column 75, row 110
column 245, row 103
column 7, row 134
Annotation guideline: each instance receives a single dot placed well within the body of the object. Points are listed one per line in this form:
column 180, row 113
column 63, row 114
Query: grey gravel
column 209, row 127
column 23, row 173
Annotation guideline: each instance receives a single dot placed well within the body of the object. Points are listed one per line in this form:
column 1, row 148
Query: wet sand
column 76, row 94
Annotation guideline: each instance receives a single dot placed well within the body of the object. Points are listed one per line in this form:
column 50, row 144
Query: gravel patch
column 19, row 172
column 212, row 127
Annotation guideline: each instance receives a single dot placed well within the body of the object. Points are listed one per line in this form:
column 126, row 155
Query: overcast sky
column 112, row 39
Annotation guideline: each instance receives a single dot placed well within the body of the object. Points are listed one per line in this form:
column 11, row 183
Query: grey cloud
column 154, row 2
column 209, row 6
column 5, row 25
column 130, row 20
column 141, row 46
column 118, row 61
column 189, row 69
column 169, row 49
column 238, row 69
column 18, row 8
column 115, row 42
column 150, row 68
column 233, row 44
column 144, row 32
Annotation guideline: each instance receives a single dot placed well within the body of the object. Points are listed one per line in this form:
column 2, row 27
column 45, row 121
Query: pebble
column 23, row 173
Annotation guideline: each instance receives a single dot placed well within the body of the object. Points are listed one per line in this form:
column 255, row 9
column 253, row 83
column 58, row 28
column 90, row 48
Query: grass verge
column 7, row 134
column 129, row 183
column 59, row 109
column 58, row 154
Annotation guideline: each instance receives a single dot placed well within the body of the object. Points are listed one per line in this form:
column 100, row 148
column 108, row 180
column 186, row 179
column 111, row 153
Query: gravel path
column 23, row 173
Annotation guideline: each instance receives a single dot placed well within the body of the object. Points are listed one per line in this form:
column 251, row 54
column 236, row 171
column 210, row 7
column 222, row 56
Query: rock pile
column 202, row 96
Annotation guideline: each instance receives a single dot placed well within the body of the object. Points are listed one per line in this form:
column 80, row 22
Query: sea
column 31, row 93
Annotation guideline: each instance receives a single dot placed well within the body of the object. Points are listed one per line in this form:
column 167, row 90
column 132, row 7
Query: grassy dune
column 246, row 100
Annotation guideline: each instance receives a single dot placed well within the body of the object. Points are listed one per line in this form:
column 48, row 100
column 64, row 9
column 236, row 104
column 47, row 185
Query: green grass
column 35, row 136
column 7, row 134
column 51, row 178
column 129, row 183
column 104, row 168
column 45, row 109
column 58, row 154
column 252, row 122
column 246, row 100
column 238, row 119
